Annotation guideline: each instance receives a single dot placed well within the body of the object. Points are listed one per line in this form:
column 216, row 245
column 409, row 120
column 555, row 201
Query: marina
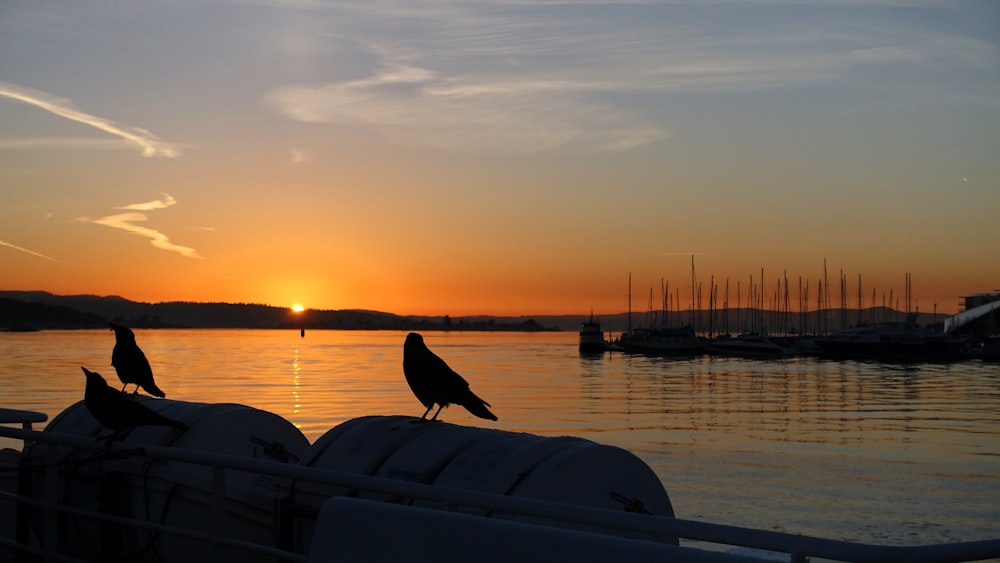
column 969, row 334
column 875, row 333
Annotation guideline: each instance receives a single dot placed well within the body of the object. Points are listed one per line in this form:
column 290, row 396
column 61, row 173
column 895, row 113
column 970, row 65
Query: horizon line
column 844, row 308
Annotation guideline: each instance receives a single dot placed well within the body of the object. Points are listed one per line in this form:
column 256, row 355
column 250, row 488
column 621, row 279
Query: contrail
column 150, row 144
column 26, row 251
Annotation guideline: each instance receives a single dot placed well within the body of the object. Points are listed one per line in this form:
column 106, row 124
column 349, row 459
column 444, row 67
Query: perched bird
column 117, row 411
column 432, row 381
column 130, row 363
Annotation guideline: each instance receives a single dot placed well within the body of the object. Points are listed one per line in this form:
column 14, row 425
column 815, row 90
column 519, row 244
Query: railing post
column 218, row 511
column 26, row 426
column 50, row 519
column 25, row 488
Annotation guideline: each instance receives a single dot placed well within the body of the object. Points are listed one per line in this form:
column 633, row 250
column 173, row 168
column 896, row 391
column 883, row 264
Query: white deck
column 352, row 529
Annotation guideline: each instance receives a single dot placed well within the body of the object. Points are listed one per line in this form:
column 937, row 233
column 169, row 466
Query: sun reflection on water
column 296, row 374
column 795, row 443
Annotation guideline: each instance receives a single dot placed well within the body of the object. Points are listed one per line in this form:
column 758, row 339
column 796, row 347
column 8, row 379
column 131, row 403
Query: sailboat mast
column 804, row 306
column 630, row 301
column 692, row 290
column 726, row 307
column 843, row 300
column 650, row 311
column 819, row 304
column 872, row 315
column 663, row 302
column 761, row 305
column 739, row 304
column 859, row 299
column 711, row 306
column 826, row 299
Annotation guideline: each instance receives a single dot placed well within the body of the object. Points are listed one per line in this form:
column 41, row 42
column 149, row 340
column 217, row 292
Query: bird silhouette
column 117, row 411
column 130, row 363
column 433, row 382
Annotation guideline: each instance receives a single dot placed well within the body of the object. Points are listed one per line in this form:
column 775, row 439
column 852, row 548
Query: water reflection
column 296, row 383
column 865, row 448
column 537, row 383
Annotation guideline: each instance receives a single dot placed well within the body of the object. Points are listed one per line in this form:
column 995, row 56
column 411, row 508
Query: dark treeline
column 41, row 310
column 22, row 315
column 21, row 310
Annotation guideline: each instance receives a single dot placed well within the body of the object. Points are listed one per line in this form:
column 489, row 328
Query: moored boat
column 591, row 337
column 663, row 341
column 991, row 348
column 751, row 346
column 905, row 341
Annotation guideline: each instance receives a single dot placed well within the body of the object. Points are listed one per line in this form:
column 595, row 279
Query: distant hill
column 25, row 310
column 18, row 315
column 109, row 307
column 21, row 310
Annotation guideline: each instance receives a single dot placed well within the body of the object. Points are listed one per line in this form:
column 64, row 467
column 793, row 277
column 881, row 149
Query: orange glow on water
column 722, row 434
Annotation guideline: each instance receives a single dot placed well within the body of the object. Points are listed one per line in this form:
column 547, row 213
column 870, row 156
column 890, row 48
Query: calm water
column 890, row 454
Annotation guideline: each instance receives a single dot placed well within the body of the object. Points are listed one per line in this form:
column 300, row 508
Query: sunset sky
column 498, row 157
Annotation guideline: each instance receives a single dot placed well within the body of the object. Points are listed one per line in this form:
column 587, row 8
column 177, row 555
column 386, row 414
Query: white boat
column 991, row 348
column 663, row 341
column 591, row 337
column 750, row 346
column 903, row 341
column 241, row 484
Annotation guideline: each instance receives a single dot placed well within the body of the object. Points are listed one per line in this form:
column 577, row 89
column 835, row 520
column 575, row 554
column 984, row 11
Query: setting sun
column 298, row 308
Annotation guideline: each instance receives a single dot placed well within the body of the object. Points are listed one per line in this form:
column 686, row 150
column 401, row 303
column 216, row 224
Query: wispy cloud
column 517, row 77
column 147, row 142
column 67, row 143
column 164, row 203
column 412, row 105
column 521, row 76
column 26, row 251
column 128, row 222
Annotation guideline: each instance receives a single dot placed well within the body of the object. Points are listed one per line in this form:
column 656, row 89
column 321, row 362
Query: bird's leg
column 124, row 386
column 423, row 417
column 435, row 417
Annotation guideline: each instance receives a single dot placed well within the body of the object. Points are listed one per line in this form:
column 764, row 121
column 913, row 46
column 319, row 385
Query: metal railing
column 641, row 526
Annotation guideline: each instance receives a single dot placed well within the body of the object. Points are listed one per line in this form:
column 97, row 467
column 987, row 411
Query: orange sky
column 408, row 160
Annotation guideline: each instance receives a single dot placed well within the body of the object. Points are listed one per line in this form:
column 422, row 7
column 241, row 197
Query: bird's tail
column 153, row 390
column 477, row 406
